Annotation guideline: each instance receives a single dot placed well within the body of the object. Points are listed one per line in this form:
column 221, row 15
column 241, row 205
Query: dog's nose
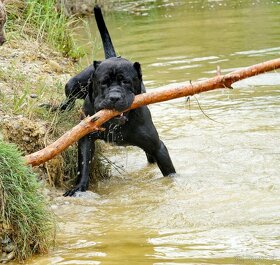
column 114, row 97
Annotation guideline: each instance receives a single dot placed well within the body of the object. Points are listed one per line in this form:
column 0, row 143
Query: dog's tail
column 105, row 36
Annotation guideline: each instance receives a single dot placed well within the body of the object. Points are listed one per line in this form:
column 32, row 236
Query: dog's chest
column 114, row 134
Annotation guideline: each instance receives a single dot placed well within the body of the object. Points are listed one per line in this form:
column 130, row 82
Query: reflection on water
column 224, row 205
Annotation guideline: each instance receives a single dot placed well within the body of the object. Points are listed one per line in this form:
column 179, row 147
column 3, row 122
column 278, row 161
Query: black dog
column 112, row 84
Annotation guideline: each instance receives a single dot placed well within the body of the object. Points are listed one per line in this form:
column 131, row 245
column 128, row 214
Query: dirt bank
column 31, row 73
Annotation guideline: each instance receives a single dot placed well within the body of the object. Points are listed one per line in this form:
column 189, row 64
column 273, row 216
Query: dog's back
column 3, row 17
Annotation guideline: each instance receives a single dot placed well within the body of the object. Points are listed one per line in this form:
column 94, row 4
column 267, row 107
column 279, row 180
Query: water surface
column 224, row 205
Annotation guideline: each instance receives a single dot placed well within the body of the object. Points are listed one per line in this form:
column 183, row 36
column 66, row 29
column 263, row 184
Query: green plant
column 44, row 21
column 51, row 24
column 24, row 214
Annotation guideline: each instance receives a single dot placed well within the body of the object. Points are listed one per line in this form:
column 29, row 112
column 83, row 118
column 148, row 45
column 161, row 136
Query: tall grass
column 44, row 21
column 23, row 212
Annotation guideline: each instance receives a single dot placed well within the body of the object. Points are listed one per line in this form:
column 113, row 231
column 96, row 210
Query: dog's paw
column 71, row 192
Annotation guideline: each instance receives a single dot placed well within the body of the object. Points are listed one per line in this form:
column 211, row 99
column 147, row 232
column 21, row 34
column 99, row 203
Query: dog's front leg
column 86, row 147
column 163, row 159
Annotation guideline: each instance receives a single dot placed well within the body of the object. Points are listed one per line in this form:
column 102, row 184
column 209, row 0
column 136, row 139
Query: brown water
column 224, row 205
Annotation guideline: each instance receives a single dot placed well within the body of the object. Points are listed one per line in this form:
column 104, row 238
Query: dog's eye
column 125, row 82
column 104, row 83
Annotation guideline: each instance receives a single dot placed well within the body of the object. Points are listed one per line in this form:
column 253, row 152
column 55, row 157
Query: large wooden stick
column 93, row 123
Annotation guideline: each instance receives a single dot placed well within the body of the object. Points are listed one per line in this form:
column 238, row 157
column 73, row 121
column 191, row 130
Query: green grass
column 24, row 211
column 20, row 101
column 43, row 21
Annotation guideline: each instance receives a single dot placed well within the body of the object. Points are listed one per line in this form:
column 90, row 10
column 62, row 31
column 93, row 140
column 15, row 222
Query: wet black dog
column 112, row 84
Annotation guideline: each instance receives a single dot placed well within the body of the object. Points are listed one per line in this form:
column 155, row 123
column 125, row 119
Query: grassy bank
column 33, row 70
column 42, row 21
column 26, row 224
column 34, row 66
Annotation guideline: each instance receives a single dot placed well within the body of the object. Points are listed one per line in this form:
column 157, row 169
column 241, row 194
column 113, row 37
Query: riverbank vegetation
column 26, row 223
column 38, row 37
column 43, row 21
column 35, row 63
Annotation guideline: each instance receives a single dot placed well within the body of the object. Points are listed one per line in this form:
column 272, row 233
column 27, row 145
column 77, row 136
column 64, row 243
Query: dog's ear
column 90, row 81
column 137, row 67
column 90, row 88
column 96, row 64
column 90, row 91
column 139, row 84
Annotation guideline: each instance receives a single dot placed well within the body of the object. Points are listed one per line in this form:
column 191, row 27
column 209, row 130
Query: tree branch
column 93, row 123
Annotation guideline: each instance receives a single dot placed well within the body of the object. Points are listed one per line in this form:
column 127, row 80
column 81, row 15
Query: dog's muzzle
column 117, row 99
column 114, row 97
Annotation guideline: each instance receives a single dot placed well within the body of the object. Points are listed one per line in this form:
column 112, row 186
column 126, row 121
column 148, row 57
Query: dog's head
column 115, row 83
column 3, row 17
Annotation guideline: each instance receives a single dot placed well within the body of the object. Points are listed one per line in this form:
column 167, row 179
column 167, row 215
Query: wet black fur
column 112, row 84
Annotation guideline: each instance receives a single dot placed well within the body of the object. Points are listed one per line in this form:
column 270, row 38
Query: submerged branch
column 93, row 123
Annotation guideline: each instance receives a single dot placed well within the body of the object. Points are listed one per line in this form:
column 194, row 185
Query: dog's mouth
column 121, row 119
column 118, row 103
column 119, row 106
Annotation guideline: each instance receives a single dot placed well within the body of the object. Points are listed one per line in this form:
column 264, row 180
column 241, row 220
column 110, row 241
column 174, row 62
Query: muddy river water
column 223, row 207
